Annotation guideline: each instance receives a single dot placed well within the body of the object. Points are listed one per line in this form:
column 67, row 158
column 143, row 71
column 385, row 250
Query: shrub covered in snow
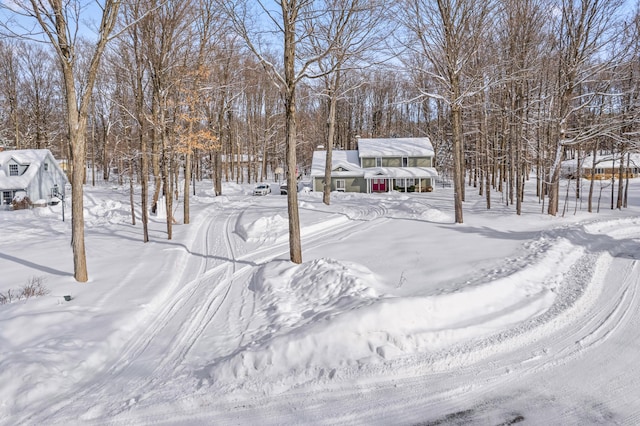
column 20, row 201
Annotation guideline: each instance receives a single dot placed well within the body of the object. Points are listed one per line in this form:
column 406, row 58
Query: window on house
column 405, row 161
column 46, row 167
column 378, row 161
column 13, row 170
column 7, row 196
column 340, row 185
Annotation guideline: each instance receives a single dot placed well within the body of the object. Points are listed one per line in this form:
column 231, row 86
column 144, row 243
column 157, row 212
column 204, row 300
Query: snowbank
column 324, row 315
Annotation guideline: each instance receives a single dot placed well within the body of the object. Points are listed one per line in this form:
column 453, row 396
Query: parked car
column 262, row 189
column 283, row 189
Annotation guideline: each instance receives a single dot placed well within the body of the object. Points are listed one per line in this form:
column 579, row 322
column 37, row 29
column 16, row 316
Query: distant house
column 606, row 167
column 379, row 165
column 33, row 171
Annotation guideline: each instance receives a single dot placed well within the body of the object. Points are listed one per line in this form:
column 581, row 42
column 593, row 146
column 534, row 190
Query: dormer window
column 378, row 161
column 405, row 161
column 46, row 167
column 13, row 170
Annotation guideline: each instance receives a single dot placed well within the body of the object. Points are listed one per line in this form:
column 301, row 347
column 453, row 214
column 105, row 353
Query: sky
column 397, row 315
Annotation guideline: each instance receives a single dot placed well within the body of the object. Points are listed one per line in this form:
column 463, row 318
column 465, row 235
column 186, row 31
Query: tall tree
column 584, row 28
column 39, row 95
column 9, row 83
column 521, row 29
column 294, row 23
column 131, row 70
column 166, row 31
column 348, row 30
column 206, row 20
column 448, row 33
column 60, row 22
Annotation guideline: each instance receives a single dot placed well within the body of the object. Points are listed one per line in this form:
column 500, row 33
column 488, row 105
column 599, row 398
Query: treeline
column 200, row 88
column 530, row 73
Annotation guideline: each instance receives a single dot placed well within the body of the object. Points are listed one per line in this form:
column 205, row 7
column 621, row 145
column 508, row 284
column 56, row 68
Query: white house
column 606, row 167
column 33, row 171
column 379, row 165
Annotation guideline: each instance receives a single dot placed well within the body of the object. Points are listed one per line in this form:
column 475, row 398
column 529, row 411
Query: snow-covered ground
column 396, row 316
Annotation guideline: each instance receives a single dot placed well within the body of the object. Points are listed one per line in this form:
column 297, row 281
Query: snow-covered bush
column 20, row 201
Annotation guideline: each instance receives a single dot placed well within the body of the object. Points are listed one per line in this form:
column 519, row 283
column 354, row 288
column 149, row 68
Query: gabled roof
column 33, row 158
column 348, row 160
column 609, row 161
column 395, row 147
column 604, row 161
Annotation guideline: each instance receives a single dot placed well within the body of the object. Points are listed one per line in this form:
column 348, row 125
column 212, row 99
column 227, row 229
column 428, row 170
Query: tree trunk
column 133, row 210
column 592, row 182
column 77, row 129
column 217, row 172
column 331, row 124
column 187, row 178
column 458, row 175
column 155, row 156
column 554, row 184
column 626, row 185
column 619, row 201
column 290, row 14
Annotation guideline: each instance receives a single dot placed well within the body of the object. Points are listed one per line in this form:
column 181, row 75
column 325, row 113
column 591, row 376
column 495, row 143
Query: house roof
column 395, row 147
column 400, row 172
column 348, row 160
column 31, row 157
column 607, row 161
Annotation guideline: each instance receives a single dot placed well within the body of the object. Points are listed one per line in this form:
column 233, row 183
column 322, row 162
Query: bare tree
column 40, row 99
column 584, row 28
column 166, row 32
column 348, row 30
column 521, row 30
column 130, row 68
column 293, row 23
column 448, row 33
column 9, row 85
column 206, row 20
column 60, row 22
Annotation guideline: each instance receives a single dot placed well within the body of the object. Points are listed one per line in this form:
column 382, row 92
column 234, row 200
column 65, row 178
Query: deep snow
column 396, row 315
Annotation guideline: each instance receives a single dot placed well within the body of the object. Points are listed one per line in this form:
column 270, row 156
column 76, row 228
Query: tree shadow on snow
column 33, row 265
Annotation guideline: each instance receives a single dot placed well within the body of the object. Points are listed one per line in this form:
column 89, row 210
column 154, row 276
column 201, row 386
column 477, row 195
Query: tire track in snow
column 197, row 311
column 129, row 372
column 601, row 313
column 230, row 323
column 605, row 324
column 155, row 321
column 605, row 310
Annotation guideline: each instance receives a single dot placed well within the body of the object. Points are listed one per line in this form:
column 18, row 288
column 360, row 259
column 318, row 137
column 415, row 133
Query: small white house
column 33, row 171
column 606, row 167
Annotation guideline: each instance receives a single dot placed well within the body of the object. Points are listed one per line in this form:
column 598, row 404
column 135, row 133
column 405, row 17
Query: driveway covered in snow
column 396, row 315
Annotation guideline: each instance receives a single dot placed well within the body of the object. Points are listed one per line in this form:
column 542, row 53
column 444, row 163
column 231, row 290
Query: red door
column 379, row 185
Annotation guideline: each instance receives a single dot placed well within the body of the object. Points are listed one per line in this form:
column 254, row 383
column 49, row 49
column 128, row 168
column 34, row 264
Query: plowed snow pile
column 324, row 314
